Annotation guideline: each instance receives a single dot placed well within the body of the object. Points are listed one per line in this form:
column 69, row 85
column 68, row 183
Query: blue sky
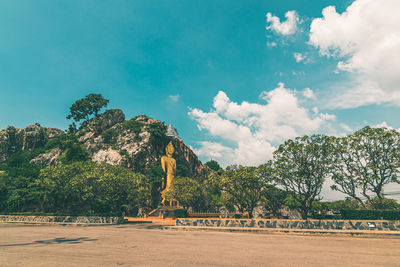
column 194, row 63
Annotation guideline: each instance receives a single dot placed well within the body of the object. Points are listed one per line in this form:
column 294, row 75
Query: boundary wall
column 60, row 219
column 372, row 225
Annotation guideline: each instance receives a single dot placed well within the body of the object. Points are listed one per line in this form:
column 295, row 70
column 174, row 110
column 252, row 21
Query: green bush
column 237, row 216
column 370, row 214
column 157, row 131
column 133, row 125
column 76, row 153
column 109, row 136
column 180, row 213
column 383, row 204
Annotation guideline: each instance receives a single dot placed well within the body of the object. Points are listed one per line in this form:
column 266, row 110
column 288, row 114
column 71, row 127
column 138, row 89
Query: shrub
column 110, row 136
column 157, row 131
column 370, row 214
column 134, row 126
column 75, row 153
column 180, row 213
column 383, row 204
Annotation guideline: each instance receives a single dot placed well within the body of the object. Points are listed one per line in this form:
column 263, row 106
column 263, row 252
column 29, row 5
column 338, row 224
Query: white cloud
column 345, row 127
column 287, row 27
column 249, row 131
column 308, row 93
column 271, row 44
column 174, row 98
column 385, row 125
column 299, row 57
column 300, row 73
column 366, row 41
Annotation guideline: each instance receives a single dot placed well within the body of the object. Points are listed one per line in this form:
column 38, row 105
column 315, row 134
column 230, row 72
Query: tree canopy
column 84, row 108
column 365, row 162
column 301, row 166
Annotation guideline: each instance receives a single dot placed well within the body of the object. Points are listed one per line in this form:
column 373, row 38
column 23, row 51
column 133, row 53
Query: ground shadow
column 54, row 241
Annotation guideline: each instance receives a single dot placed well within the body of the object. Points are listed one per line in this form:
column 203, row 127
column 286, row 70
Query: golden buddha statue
column 168, row 164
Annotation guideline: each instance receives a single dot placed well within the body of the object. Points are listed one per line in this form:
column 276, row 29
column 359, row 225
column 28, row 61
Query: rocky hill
column 136, row 144
column 29, row 138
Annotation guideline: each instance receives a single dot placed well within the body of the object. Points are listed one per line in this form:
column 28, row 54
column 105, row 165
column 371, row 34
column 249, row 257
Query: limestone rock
column 137, row 144
column 109, row 156
column 33, row 136
column 49, row 159
column 106, row 120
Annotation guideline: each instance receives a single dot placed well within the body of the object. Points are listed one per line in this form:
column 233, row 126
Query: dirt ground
column 141, row 245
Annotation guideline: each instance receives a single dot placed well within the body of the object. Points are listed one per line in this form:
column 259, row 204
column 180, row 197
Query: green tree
column 244, row 186
column 88, row 106
column 155, row 173
column 213, row 165
column 189, row 193
column 182, row 170
column 301, row 166
column 85, row 187
column 365, row 162
column 274, row 199
column 17, row 184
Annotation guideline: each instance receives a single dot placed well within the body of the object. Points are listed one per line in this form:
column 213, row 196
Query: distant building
column 171, row 131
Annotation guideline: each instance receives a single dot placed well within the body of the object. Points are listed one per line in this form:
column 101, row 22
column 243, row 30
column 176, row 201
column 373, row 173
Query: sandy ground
column 137, row 245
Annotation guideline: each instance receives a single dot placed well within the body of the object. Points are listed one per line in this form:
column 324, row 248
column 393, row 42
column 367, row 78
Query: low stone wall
column 292, row 224
column 60, row 219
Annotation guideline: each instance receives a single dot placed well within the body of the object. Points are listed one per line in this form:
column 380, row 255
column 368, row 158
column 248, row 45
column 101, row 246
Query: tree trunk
column 304, row 214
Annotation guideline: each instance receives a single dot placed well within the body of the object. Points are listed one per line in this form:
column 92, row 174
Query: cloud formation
column 287, row 27
column 308, row 93
column 299, row 57
column 174, row 98
column 247, row 132
column 366, row 41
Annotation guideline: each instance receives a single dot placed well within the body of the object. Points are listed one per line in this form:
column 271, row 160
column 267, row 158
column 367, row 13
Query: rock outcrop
column 33, row 136
column 136, row 144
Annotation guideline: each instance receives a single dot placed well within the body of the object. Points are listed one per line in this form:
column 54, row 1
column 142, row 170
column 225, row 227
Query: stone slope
column 136, row 144
column 33, row 136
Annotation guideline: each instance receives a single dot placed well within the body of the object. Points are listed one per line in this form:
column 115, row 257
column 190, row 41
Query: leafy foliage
column 180, row 213
column 182, row 170
column 90, row 105
column 370, row 214
column 347, row 204
column 382, row 204
column 157, row 131
column 133, row 125
column 301, row 166
column 365, row 162
column 155, row 174
column 110, row 136
column 274, row 199
column 93, row 188
column 213, row 165
column 188, row 192
column 243, row 186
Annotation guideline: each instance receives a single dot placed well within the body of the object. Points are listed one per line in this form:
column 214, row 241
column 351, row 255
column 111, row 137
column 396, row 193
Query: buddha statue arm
column 163, row 163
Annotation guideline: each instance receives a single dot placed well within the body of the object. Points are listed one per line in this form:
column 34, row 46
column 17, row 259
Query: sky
column 236, row 78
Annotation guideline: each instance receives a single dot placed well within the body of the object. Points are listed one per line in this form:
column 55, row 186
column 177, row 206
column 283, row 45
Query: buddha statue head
column 169, row 150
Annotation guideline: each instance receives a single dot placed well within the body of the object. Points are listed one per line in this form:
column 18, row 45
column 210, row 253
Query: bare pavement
column 147, row 245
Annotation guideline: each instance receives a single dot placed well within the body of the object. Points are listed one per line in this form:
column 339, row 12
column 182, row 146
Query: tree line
column 360, row 165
